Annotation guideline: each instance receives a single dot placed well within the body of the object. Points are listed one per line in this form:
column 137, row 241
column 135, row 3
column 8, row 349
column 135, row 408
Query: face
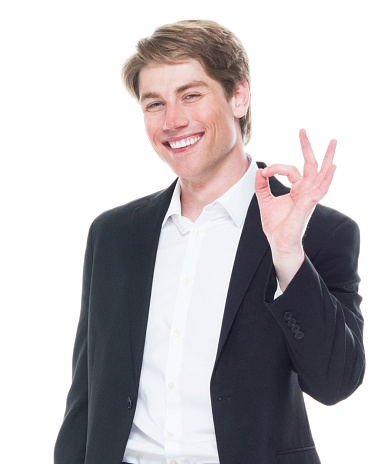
column 188, row 119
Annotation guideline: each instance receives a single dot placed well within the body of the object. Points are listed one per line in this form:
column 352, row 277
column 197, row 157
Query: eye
column 154, row 106
column 192, row 96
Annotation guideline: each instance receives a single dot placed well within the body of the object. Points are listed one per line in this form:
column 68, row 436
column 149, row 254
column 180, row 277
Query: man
column 210, row 307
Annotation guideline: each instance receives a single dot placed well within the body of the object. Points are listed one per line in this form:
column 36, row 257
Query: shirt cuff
column 278, row 292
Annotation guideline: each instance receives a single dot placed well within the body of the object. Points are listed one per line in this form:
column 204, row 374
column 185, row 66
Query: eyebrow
column 178, row 90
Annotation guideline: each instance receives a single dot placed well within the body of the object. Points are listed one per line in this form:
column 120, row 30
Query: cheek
column 219, row 117
column 151, row 126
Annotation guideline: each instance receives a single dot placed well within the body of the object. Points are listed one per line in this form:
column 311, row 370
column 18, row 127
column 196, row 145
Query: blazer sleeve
column 319, row 314
column 71, row 441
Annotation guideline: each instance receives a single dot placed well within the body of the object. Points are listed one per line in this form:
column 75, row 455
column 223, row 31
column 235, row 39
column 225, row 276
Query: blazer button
column 291, row 322
column 129, row 403
column 299, row 335
column 295, row 328
column 287, row 315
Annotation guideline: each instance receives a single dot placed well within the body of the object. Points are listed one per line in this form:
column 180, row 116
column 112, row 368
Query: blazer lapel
column 251, row 249
column 145, row 229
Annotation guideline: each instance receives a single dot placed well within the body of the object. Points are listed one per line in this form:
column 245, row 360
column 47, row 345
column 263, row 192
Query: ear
column 241, row 99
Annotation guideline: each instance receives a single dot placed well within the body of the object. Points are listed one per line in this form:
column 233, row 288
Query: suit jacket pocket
column 306, row 455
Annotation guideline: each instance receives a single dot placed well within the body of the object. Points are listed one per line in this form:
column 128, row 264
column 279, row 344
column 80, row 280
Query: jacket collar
column 145, row 232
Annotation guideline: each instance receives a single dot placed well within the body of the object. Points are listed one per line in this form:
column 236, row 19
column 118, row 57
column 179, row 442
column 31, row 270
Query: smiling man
column 195, row 129
column 210, row 307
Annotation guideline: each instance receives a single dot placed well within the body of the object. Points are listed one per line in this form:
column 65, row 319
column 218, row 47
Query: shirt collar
column 175, row 208
column 235, row 201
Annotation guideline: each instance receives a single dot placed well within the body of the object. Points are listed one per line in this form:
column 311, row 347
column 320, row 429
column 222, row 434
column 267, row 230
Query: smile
column 184, row 142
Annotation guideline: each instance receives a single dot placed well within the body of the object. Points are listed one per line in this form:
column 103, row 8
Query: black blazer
column 264, row 361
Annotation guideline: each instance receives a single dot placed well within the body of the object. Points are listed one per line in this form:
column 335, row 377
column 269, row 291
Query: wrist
column 287, row 264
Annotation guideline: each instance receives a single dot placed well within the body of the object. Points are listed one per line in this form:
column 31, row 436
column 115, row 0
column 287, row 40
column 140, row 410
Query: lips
column 183, row 142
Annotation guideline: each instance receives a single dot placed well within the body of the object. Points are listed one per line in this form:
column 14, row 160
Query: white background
column 73, row 145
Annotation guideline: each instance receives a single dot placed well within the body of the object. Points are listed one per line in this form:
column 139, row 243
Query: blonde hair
column 218, row 50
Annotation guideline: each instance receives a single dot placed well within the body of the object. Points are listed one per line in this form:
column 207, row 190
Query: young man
column 210, row 307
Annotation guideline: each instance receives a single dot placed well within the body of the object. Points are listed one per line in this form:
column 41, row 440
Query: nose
column 175, row 118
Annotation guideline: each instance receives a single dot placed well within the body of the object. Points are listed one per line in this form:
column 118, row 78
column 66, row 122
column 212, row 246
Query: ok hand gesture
column 285, row 218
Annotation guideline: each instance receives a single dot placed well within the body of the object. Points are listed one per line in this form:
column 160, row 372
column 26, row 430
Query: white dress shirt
column 173, row 422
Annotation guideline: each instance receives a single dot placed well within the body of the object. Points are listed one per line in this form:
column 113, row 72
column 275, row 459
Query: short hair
column 217, row 49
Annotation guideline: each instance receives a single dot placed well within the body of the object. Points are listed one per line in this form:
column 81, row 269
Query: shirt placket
column 173, row 421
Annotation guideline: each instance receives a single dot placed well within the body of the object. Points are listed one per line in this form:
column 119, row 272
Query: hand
column 285, row 218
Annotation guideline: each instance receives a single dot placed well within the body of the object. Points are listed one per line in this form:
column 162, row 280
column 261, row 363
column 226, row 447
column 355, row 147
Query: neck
column 197, row 193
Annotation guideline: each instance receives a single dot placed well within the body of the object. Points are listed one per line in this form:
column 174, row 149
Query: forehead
column 167, row 77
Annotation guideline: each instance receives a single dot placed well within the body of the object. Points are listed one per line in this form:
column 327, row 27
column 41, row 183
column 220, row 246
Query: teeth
column 184, row 142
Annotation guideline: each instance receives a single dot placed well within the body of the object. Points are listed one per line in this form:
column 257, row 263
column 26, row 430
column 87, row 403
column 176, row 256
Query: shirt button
column 176, row 333
column 170, row 434
column 185, row 282
column 196, row 233
column 171, row 385
column 173, row 462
